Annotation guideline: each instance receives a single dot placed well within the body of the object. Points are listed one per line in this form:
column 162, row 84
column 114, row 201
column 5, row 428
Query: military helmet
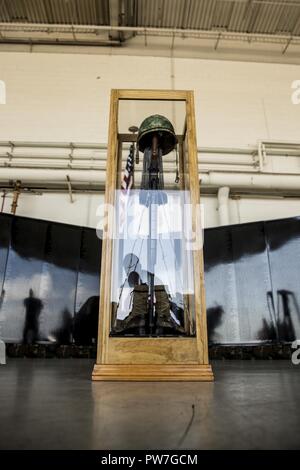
column 160, row 125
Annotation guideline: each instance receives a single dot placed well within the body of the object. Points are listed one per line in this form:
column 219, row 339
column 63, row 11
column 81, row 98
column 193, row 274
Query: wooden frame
column 151, row 358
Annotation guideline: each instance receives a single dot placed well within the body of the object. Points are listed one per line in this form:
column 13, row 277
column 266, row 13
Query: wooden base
column 153, row 373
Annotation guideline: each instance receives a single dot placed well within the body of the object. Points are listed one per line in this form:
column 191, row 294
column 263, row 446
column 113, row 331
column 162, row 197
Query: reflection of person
column 131, row 263
column 136, row 304
column 132, row 268
column 131, row 313
column 125, row 303
column 33, row 308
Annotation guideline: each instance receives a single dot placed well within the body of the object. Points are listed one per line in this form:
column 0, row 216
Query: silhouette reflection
column 281, row 324
column 33, row 308
column 85, row 326
column 287, row 302
column 251, row 276
column 214, row 319
column 63, row 334
column 268, row 332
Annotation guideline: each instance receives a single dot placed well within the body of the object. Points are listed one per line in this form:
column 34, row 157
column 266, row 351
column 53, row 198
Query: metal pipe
column 51, row 176
column 271, row 144
column 68, row 145
column 148, row 31
column 251, row 180
column 90, row 168
column 101, row 164
column 98, row 177
column 58, row 42
column 95, row 158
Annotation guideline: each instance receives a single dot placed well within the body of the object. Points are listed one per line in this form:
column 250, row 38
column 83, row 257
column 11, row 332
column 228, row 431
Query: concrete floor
column 52, row 404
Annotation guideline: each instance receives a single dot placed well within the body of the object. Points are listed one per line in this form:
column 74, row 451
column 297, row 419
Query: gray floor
column 52, row 404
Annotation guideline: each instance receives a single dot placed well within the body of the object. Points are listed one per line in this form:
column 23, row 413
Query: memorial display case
column 152, row 319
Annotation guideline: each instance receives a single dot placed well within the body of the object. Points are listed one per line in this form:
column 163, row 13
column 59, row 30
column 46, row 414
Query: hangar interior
column 59, row 60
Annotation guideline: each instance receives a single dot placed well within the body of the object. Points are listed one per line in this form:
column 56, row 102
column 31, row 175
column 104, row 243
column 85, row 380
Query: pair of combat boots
column 137, row 322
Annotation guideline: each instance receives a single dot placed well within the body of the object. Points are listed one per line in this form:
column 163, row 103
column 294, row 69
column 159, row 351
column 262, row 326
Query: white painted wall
column 65, row 97
column 84, row 211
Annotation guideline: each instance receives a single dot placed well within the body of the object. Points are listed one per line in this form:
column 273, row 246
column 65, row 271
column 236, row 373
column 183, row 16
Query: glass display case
column 152, row 319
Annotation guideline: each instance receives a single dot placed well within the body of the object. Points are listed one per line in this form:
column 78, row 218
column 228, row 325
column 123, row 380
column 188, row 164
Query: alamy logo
column 2, row 92
column 296, row 94
column 296, row 354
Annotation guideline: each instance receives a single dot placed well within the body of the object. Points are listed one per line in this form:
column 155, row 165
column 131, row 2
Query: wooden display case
column 177, row 349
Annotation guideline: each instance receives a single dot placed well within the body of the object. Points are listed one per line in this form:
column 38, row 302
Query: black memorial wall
column 49, row 282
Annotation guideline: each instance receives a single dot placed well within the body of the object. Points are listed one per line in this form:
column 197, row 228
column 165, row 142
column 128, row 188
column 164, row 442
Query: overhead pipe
column 68, row 145
column 149, row 31
column 59, row 42
column 93, row 156
column 272, row 147
column 251, row 180
column 46, row 177
column 98, row 146
column 27, row 175
column 215, row 179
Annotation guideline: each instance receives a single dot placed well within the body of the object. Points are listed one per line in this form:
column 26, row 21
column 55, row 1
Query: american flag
column 126, row 184
column 127, row 179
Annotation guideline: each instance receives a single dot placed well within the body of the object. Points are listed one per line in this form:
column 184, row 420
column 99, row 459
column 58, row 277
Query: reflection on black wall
column 252, row 277
column 49, row 282
column 48, row 273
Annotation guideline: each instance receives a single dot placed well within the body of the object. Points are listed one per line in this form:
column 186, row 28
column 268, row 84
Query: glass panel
column 133, row 112
column 152, row 290
column 152, row 282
